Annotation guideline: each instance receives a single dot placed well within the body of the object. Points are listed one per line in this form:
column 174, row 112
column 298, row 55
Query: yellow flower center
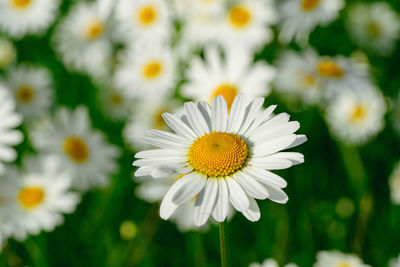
column 359, row 113
column 330, row 69
column 343, row 265
column 159, row 122
column 218, row 154
column 152, row 70
column 25, row 94
column 31, row 196
column 94, row 29
column 308, row 79
column 76, row 149
column 147, row 15
column 239, row 16
column 228, row 91
column 309, row 5
column 21, row 3
column 374, row 29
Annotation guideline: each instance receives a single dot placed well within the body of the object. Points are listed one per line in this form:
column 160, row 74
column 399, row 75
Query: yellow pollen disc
column 374, row 29
column 329, row 69
column 25, row 94
column 344, row 265
column 308, row 80
column 21, row 3
column 94, row 29
column 152, row 70
column 147, row 15
column 239, row 16
column 218, row 154
column 309, row 5
column 228, row 91
column 159, row 122
column 76, row 149
column 31, row 196
column 358, row 114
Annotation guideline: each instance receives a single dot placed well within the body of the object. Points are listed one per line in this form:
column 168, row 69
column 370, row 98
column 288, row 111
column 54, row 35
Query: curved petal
column 205, row 202
column 179, row 126
column 237, row 112
column 221, row 207
column 196, row 119
column 266, row 177
column 237, row 196
column 251, row 186
column 219, row 113
column 193, row 183
column 253, row 212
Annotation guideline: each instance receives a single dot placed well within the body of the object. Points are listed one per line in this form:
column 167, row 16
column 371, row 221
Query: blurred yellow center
column 94, row 29
column 116, row 99
column 308, row 79
column 374, row 29
column 239, row 16
column 31, row 196
column 309, row 5
column 218, row 154
column 228, row 91
column 344, row 265
column 25, row 94
column 147, row 15
column 152, row 70
column 159, row 122
column 21, row 3
column 330, row 69
column 359, row 113
column 76, row 149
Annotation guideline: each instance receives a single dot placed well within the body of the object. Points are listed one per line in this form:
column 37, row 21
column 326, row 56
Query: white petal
column 266, row 177
column 163, row 143
column 159, row 161
column 272, row 146
column 193, row 183
column 205, row 202
column 143, row 171
column 167, row 206
column 278, row 120
column 300, row 139
column 271, row 132
column 237, row 112
column 221, row 207
column 179, row 126
column 271, row 163
column 160, row 153
column 251, row 112
column 251, row 186
column 173, row 169
column 205, row 110
column 196, row 119
column 276, row 194
column 237, row 196
column 253, row 212
column 11, row 137
column 294, row 157
column 219, row 111
column 261, row 118
column 7, row 154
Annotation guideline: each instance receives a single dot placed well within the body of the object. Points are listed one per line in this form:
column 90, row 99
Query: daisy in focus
column 37, row 199
column 246, row 23
column 300, row 17
column 32, row 90
column 9, row 120
column 336, row 259
column 297, row 78
column 85, row 154
column 236, row 74
column 271, row 263
column 146, row 69
column 224, row 159
column 374, row 26
column 82, row 39
column 7, row 53
column 21, row 17
column 356, row 118
column 394, row 185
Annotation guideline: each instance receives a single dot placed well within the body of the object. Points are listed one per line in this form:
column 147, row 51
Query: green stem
column 223, row 241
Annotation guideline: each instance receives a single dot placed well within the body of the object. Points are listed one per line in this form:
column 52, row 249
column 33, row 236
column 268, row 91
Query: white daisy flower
column 8, row 53
column 223, row 158
column 374, row 26
column 32, row 90
column 356, row 117
column 85, row 154
column 270, row 263
column 246, row 23
column 147, row 69
column 143, row 20
column 300, row 17
column 82, row 40
column 39, row 197
column 115, row 104
column 147, row 114
column 236, row 74
column 9, row 120
column 394, row 185
column 297, row 77
column 21, row 17
column 338, row 259
column 395, row 262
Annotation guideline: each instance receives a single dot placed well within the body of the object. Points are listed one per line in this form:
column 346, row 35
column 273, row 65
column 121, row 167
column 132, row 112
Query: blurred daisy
column 236, row 74
column 246, row 24
column 82, row 39
column 21, row 17
column 374, row 26
column 115, row 104
column 300, row 17
column 9, row 120
column 85, row 154
column 222, row 158
column 297, row 77
column 32, row 90
column 41, row 196
column 394, row 185
column 146, row 69
column 7, row 53
column 270, row 263
column 146, row 114
column 143, row 20
column 396, row 113
column 395, row 262
column 338, row 259
column 356, row 117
